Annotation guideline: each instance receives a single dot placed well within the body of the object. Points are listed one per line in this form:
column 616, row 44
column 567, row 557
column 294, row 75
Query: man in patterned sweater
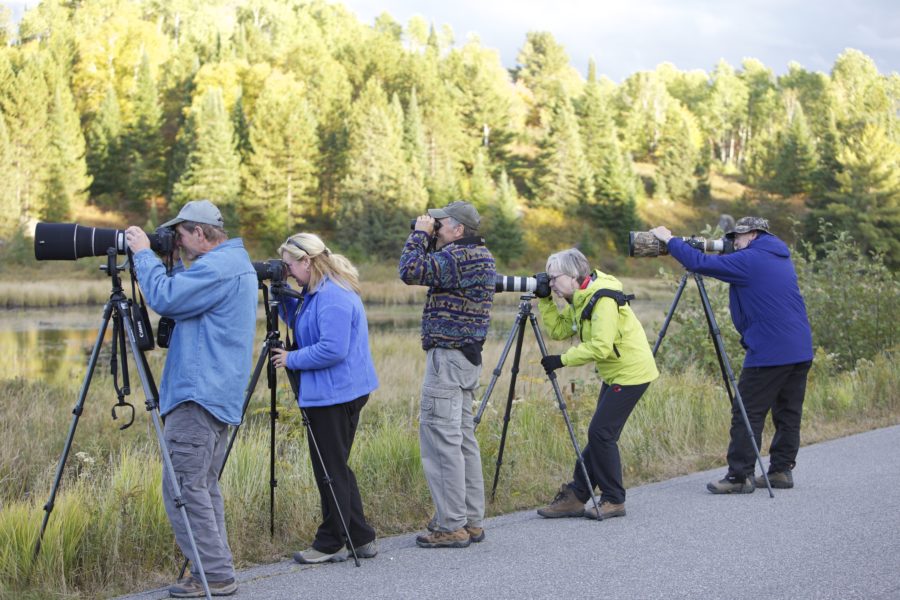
column 460, row 275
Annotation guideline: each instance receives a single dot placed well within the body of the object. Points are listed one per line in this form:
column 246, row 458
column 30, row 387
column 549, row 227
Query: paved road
column 836, row 535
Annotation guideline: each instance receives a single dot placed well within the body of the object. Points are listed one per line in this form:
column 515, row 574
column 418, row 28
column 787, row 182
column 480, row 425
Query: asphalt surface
column 835, row 535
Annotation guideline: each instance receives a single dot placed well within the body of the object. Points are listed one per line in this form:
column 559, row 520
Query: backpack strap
column 621, row 299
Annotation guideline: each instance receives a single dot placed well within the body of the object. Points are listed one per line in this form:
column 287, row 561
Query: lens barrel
column 71, row 241
column 504, row 283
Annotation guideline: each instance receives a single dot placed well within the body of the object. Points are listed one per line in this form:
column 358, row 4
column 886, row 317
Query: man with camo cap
column 768, row 311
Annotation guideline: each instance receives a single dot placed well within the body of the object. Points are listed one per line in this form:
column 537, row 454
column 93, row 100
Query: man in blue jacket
column 207, row 368
column 768, row 311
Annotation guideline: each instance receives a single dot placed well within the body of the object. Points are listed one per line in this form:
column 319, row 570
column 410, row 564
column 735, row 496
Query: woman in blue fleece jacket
column 336, row 376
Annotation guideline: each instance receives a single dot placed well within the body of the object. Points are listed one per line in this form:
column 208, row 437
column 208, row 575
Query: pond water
column 55, row 344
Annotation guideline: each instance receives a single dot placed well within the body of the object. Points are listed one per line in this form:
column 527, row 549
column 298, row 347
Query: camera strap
column 140, row 318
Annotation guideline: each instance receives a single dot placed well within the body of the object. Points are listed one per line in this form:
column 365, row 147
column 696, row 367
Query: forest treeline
column 293, row 114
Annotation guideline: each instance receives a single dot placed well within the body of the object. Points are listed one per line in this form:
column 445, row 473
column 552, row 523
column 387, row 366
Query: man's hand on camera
column 552, row 362
column 136, row 239
column 279, row 357
column 425, row 223
column 662, row 234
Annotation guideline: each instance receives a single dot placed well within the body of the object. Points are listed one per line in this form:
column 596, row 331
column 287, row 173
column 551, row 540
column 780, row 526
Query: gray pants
column 451, row 458
column 197, row 443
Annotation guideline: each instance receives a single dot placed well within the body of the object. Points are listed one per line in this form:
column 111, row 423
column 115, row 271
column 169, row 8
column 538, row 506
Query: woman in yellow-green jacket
column 612, row 338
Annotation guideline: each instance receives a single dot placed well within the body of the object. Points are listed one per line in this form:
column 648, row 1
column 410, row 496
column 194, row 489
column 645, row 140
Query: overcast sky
column 625, row 36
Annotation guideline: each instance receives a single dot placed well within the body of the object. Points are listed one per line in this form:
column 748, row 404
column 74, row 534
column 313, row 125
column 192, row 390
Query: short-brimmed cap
column 460, row 210
column 747, row 224
column 198, row 211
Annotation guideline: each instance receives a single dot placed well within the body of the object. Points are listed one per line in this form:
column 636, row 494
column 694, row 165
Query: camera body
column 273, row 269
column 538, row 284
column 162, row 241
column 643, row 244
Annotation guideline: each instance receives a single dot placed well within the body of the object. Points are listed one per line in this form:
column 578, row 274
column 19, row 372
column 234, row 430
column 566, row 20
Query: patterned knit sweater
column 460, row 279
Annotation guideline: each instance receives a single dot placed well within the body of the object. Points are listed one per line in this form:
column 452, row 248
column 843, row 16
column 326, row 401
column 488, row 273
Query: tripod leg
column 520, row 325
column 76, row 415
column 565, row 413
column 665, row 326
column 728, row 372
column 328, row 480
column 517, row 327
column 273, row 417
column 153, row 406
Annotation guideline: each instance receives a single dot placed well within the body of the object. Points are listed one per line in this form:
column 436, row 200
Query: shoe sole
column 550, row 515
column 476, row 538
column 589, row 514
column 742, row 490
column 460, row 544
column 317, row 561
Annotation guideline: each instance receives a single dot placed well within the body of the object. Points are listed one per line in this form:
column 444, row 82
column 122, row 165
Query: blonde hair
column 322, row 262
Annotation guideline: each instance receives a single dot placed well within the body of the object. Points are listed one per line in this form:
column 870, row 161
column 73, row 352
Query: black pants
column 782, row 390
column 601, row 454
column 334, row 428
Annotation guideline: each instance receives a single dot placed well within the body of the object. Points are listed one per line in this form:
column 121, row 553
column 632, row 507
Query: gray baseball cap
column 198, row 211
column 747, row 224
column 460, row 210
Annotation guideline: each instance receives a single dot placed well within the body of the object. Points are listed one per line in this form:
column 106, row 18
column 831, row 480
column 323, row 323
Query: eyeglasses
column 555, row 277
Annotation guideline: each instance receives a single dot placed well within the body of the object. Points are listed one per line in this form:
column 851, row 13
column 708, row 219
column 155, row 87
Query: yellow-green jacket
column 613, row 338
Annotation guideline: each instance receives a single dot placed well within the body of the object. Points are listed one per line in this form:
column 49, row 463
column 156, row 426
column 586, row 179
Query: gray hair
column 467, row 231
column 569, row 262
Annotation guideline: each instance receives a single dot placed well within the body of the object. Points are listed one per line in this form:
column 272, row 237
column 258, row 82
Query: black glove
column 551, row 362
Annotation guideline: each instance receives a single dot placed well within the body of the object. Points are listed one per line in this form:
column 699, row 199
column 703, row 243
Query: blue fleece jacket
column 214, row 307
column 767, row 308
column 333, row 355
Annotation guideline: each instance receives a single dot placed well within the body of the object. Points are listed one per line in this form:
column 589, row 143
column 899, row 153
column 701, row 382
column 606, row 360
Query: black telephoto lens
column 71, row 241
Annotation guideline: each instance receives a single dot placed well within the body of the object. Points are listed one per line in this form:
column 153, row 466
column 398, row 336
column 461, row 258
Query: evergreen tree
column 414, row 139
column 9, row 210
column 503, row 225
column 279, row 174
column 68, row 180
column 373, row 198
column 867, row 201
column 143, row 144
column 104, row 142
column 480, row 189
column 212, row 169
column 796, row 157
column 563, row 178
column 678, row 155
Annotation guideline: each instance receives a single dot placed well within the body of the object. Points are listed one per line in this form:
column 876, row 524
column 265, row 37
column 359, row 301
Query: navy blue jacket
column 767, row 308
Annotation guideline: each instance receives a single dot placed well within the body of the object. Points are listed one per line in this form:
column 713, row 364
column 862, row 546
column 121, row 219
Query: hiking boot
column 564, row 504
column 731, row 486
column 608, row 510
column 781, row 480
column 476, row 534
column 367, row 550
column 311, row 556
column 444, row 539
column 191, row 587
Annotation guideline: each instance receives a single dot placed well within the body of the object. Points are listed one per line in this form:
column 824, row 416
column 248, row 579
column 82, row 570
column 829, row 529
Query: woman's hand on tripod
column 279, row 357
column 552, row 362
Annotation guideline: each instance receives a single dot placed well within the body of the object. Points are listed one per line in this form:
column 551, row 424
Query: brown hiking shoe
column 444, row 539
column 608, row 510
column 564, row 504
column 190, row 587
column 476, row 534
column 780, row 480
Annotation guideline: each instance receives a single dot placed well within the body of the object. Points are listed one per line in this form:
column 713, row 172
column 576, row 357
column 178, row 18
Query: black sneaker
column 779, row 480
column 729, row 486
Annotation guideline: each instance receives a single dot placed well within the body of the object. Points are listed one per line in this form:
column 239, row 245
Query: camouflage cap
column 746, row 224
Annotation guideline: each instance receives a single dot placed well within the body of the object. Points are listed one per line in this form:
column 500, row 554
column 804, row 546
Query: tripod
column 715, row 333
column 272, row 341
column 518, row 333
column 118, row 310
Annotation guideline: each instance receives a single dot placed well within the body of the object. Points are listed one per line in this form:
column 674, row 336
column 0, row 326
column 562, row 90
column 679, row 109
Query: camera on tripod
column 643, row 244
column 71, row 241
column 538, row 284
column 273, row 269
